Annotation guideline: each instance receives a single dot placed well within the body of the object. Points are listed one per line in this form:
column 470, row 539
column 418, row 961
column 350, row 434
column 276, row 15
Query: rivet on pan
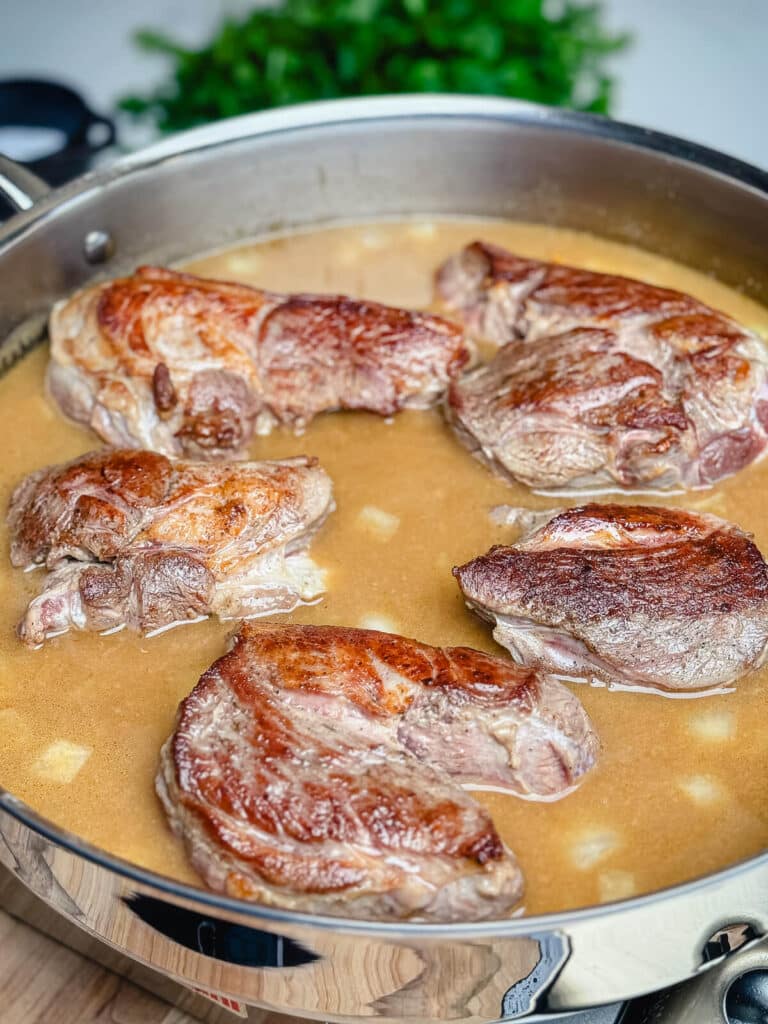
column 98, row 246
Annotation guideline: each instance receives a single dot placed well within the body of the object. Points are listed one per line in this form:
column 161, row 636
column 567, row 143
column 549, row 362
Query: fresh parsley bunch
column 300, row 50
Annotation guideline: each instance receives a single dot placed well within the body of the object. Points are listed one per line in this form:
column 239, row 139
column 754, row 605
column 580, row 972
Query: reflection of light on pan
column 214, row 937
column 527, row 994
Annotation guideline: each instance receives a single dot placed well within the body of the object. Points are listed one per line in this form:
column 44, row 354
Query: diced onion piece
column 715, row 725
column 372, row 239
column 244, row 264
column 378, row 523
column 61, row 761
column 381, row 622
column 423, row 229
column 592, row 846
column 614, row 884
column 703, row 790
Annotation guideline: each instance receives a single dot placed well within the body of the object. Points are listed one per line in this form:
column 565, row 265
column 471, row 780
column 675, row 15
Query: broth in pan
column 680, row 787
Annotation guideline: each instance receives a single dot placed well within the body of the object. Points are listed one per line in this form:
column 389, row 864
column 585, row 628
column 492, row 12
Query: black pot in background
column 27, row 103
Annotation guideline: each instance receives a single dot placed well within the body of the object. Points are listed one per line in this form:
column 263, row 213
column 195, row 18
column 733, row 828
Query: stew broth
column 680, row 787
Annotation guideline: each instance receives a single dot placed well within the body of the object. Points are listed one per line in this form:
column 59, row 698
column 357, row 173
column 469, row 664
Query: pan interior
column 679, row 789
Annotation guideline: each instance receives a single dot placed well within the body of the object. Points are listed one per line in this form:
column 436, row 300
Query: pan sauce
column 680, row 788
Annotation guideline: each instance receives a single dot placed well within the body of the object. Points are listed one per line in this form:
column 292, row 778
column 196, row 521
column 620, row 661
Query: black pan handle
column 100, row 132
column 29, row 103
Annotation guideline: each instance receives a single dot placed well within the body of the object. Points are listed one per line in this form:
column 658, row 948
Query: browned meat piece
column 627, row 595
column 603, row 381
column 183, row 365
column 133, row 539
column 573, row 411
column 320, row 768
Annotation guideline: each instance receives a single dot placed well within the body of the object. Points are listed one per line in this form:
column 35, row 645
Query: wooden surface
column 43, row 982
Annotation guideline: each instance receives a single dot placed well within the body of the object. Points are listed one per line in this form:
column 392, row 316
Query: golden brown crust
column 132, row 538
column 587, row 297
column 308, row 657
column 186, row 365
column 104, row 494
column 320, row 766
column 602, row 380
column 636, row 595
column 319, row 352
column 693, row 566
column 340, row 800
column 395, row 817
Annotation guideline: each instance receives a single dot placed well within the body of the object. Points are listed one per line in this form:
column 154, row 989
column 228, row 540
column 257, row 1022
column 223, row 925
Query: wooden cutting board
column 52, row 972
column 42, row 981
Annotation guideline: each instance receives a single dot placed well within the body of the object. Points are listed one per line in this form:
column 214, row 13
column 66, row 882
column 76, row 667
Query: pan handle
column 19, row 186
column 734, row 991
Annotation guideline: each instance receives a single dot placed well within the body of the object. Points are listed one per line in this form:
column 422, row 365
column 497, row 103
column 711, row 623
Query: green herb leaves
column 317, row 49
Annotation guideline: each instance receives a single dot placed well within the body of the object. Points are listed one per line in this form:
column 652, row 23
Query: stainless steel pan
column 356, row 160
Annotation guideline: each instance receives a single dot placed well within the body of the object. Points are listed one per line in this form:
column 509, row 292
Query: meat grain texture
column 634, row 596
column 321, row 768
column 602, row 382
column 130, row 538
column 188, row 366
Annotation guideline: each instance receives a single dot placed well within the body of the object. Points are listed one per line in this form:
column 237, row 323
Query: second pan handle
column 19, row 186
column 734, row 991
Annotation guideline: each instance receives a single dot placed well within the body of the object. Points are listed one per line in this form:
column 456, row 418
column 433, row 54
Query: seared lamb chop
column 133, row 539
column 320, row 768
column 628, row 595
column 183, row 365
column 603, row 382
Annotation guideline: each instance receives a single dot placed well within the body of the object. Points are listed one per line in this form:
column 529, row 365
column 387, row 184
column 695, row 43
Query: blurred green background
column 542, row 50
